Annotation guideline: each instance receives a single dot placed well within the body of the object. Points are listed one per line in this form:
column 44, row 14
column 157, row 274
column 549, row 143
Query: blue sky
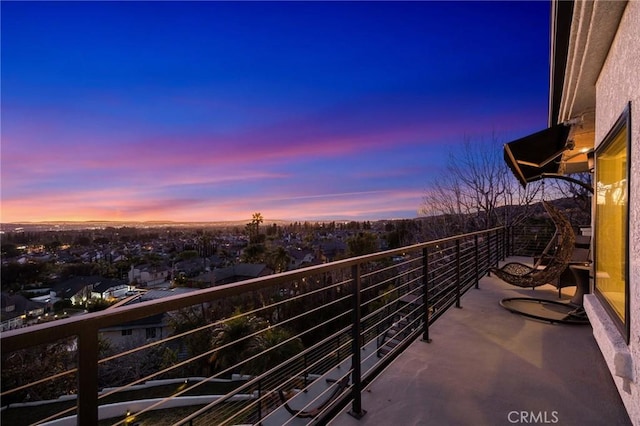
column 208, row 111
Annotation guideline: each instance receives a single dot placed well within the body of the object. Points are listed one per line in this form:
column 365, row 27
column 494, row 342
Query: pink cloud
column 116, row 205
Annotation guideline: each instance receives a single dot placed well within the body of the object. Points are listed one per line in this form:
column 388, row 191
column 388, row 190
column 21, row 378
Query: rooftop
column 485, row 365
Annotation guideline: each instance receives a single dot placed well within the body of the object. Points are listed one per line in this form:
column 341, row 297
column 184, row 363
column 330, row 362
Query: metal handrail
column 472, row 254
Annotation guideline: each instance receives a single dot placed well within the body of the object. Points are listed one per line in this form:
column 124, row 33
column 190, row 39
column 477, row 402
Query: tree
column 579, row 193
column 132, row 366
column 237, row 340
column 29, row 365
column 197, row 342
column 188, row 255
column 254, row 253
column 401, row 233
column 278, row 259
column 278, row 346
column 256, row 220
column 10, row 250
column 361, row 244
column 477, row 192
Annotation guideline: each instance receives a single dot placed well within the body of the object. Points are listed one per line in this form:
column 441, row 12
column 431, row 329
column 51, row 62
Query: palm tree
column 278, row 347
column 278, row 259
column 256, row 220
column 237, row 340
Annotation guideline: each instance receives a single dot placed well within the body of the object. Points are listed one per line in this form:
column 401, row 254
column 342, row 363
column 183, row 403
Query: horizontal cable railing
column 291, row 348
column 530, row 240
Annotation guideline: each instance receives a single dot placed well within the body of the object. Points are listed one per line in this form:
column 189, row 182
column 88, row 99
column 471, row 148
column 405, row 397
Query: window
column 127, row 332
column 151, row 333
column 611, row 222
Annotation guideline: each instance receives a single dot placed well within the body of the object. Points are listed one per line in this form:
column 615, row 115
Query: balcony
column 333, row 341
column 487, row 366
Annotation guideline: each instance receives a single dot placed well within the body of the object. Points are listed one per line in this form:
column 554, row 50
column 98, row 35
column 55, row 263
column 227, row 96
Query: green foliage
column 53, row 246
column 29, row 365
column 153, row 259
column 385, row 297
column 96, row 305
column 61, row 305
column 236, row 340
column 10, row 250
column 254, row 253
column 83, row 241
column 77, row 270
column 188, row 254
column 278, row 346
column 278, row 259
column 15, row 275
column 128, row 368
column 196, row 343
column 361, row 244
column 247, row 336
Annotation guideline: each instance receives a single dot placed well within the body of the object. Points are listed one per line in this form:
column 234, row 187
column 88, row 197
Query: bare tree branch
column 478, row 191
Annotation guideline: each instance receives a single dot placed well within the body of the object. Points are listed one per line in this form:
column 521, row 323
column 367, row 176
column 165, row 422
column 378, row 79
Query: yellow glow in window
column 611, row 222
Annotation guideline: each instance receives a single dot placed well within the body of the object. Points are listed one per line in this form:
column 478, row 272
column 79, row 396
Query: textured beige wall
column 619, row 84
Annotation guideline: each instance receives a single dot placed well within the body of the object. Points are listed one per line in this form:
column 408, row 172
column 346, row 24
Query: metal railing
column 531, row 239
column 290, row 348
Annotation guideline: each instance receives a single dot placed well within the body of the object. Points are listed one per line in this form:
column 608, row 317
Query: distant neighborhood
column 52, row 273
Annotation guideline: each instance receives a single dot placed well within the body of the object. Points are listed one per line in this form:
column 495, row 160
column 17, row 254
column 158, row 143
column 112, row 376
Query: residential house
column 149, row 275
column 191, row 267
column 80, row 290
column 595, row 126
column 300, row 257
column 152, row 328
column 75, row 289
column 110, row 289
column 232, row 274
column 333, row 249
column 16, row 309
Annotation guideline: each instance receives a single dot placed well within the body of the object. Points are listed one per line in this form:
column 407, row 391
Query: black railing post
column 306, row 373
column 356, row 331
column 425, row 294
column 507, row 242
column 505, row 239
column 475, row 255
column 458, row 273
column 488, row 234
column 497, row 248
column 507, row 233
column 513, row 241
column 260, row 401
column 88, row 377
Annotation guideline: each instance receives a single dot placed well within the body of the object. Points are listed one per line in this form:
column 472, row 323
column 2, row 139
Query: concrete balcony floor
column 487, row 366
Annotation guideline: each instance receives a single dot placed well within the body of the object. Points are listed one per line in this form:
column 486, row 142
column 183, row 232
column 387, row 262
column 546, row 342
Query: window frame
column 151, row 333
column 624, row 327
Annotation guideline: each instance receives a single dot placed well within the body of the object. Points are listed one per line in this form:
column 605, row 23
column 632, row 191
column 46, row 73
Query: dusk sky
column 210, row 111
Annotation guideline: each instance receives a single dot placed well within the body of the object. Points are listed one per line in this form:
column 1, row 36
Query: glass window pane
column 611, row 222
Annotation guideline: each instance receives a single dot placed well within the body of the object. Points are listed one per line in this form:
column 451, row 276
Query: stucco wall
column 619, row 84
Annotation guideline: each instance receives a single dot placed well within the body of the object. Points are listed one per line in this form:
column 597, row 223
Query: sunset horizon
column 210, row 111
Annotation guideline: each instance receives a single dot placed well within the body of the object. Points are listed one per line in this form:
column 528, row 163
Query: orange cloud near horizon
column 371, row 205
